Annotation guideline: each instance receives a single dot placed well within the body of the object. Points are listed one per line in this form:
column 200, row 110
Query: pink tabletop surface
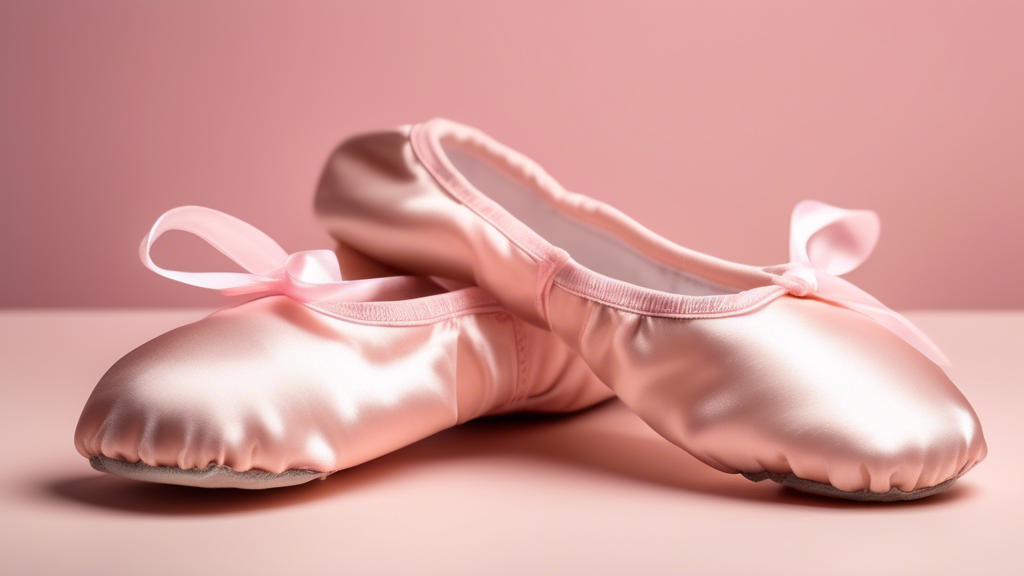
column 594, row 493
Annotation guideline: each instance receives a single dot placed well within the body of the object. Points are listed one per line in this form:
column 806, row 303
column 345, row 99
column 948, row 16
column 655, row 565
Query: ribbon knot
column 307, row 276
column 826, row 242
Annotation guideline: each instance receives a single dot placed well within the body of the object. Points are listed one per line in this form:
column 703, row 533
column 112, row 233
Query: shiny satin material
column 279, row 383
column 779, row 376
column 800, row 386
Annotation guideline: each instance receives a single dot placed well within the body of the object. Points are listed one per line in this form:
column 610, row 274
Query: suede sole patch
column 821, row 489
column 213, row 476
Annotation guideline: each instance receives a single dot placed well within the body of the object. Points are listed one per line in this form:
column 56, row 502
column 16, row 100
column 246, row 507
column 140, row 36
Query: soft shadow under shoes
column 318, row 374
column 786, row 373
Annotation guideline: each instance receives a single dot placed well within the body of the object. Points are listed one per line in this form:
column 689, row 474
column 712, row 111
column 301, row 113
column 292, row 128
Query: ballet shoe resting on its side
column 735, row 364
column 785, row 372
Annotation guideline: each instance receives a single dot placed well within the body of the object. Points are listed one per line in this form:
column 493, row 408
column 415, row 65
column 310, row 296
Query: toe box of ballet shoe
column 268, row 385
column 805, row 388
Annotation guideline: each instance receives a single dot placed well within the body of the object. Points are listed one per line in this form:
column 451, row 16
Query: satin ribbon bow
column 826, row 242
column 309, row 276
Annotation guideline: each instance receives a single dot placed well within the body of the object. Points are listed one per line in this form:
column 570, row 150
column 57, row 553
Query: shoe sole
column 822, row 489
column 216, row 476
column 213, row 476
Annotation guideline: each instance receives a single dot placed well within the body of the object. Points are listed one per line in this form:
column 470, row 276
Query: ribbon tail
column 900, row 326
column 849, row 296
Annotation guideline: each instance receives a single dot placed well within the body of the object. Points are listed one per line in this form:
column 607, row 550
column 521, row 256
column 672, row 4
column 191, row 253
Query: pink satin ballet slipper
column 318, row 374
column 785, row 372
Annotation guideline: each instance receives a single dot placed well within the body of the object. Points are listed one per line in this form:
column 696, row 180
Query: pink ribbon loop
column 826, row 242
column 308, row 276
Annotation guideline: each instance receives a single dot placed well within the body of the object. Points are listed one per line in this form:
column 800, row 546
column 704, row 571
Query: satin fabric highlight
column 272, row 385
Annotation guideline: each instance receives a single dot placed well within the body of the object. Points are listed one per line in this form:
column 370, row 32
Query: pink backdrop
column 705, row 121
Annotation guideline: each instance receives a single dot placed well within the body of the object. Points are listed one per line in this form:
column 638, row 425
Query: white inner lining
column 586, row 244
